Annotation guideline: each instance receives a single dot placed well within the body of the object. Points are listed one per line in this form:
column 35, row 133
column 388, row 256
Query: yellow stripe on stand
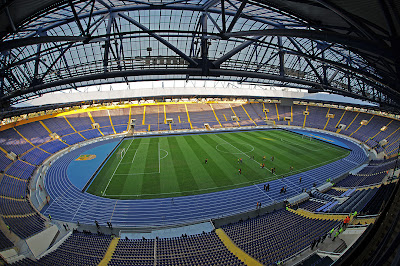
column 392, row 133
column 45, row 127
column 305, row 117
column 291, row 113
column 29, row 141
column 179, row 119
column 248, row 115
column 352, row 121
column 338, row 130
column 73, row 127
column 9, row 198
column 361, row 126
column 320, row 216
column 91, row 118
column 165, row 115
column 109, row 115
column 216, row 117
column 266, row 116
column 234, row 114
column 17, row 178
column 328, row 117
column 235, row 250
column 110, row 251
column 3, row 150
column 144, row 115
column 19, row 216
column 327, row 122
column 380, row 130
column 225, row 117
column 277, row 112
column 129, row 119
column 187, row 112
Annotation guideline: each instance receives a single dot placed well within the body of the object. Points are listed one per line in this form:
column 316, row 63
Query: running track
column 69, row 204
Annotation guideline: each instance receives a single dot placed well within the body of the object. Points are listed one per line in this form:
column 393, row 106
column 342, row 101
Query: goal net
column 121, row 153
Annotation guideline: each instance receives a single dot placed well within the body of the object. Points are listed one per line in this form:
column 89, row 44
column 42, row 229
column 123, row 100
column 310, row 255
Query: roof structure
column 337, row 46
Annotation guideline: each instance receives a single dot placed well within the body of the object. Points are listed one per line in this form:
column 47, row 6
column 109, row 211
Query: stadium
column 203, row 132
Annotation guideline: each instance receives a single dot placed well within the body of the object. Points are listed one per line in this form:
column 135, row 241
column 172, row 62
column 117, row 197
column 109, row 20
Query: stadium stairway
column 238, row 252
column 110, row 251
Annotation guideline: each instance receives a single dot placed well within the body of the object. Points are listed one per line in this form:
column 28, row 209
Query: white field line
column 104, row 192
column 77, row 210
column 134, row 156
column 139, row 173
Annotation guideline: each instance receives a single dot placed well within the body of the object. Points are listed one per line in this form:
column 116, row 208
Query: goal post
column 121, row 153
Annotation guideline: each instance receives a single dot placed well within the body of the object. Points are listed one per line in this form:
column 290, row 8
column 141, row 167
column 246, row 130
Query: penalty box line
column 104, row 192
column 133, row 159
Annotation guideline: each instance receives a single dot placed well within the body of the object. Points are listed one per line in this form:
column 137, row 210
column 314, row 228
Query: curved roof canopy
column 339, row 46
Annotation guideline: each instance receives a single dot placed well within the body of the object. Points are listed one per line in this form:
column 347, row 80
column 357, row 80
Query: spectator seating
column 101, row 117
column 10, row 206
column 4, row 161
column 80, row 121
column 5, row 243
column 10, row 140
column 53, row 146
column 25, row 226
column 35, row 132
column 58, row 125
column 205, row 249
column 356, row 202
column 35, row 156
column 12, row 187
column 380, row 197
column 134, row 252
column 269, row 240
column 120, row 119
column 21, row 170
column 311, row 205
column 78, row 249
column 319, row 195
column 334, row 192
column 72, row 138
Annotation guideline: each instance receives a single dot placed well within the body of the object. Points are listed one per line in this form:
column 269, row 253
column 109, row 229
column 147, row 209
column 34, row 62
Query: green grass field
column 173, row 166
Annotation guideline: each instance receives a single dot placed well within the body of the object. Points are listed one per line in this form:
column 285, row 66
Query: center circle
column 234, row 148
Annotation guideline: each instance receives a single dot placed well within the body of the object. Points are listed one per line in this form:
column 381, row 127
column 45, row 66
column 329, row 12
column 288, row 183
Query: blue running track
column 68, row 203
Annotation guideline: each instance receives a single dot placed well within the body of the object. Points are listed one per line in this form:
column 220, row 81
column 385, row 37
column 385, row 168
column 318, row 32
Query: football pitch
column 171, row 166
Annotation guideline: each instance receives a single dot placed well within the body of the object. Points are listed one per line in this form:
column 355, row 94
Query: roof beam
column 368, row 46
column 160, row 39
column 237, row 15
column 307, row 60
column 56, row 60
column 107, row 42
column 182, row 71
column 77, row 20
column 8, row 45
column 217, row 63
